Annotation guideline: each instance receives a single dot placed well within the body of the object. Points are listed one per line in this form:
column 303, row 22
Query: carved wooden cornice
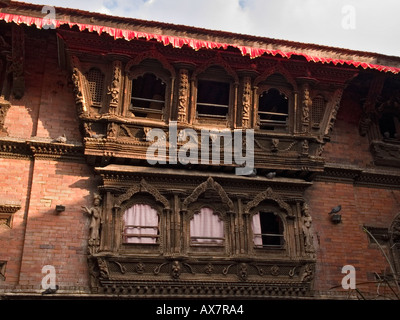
column 120, row 177
column 19, row 149
column 196, row 279
column 377, row 177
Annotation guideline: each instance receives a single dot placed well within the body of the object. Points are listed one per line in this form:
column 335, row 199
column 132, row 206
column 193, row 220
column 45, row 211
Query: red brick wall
column 46, row 111
column 55, row 239
column 347, row 146
column 14, row 181
column 346, row 243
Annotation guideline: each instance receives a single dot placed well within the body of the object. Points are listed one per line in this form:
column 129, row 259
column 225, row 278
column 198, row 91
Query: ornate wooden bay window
column 196, row 238
column 215, row 93
column 171, row 231
column 149, row 88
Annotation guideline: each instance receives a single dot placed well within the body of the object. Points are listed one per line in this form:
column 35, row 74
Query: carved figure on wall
column 274, row 145
column 243, row 272
column 308, row 273
column 176, row 270
column 246, row 100
column 304, row 148
column 308, row 237
column 4, row 106
column 183, row 95
column 95, row 224
column 111, row 131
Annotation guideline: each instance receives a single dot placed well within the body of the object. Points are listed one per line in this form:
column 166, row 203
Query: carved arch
column 269, row 194
column 151, row 54
column 217, row 61
column 143, row 186
column 209, row 184
column 278, row 68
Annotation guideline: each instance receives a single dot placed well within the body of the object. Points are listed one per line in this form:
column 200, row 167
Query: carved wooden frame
column 225, row 209
column 276, row 211
column 231, row 78
column 167, row 74
column 141, row 193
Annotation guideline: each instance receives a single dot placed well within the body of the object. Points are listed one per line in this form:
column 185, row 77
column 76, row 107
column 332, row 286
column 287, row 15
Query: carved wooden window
column 389, row 125
column 273, row 110
column 148, row 97
column 267, row 230
column 206, row 228
column 212, row 99
column 95, row 80
column 317, row 111
column 141, row 225
column 213, row 96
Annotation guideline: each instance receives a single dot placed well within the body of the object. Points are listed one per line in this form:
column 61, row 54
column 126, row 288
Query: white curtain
column 207, row 226
column 139, row 220
column 256, row 227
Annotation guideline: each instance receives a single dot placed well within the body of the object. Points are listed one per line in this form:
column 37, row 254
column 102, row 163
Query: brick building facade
column 324, row 120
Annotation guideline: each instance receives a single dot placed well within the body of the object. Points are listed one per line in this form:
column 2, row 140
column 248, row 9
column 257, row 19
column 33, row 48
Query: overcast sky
column 366, row 25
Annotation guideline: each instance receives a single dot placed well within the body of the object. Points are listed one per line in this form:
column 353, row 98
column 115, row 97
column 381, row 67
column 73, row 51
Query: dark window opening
column 389, row 126
column 267, row 230
column 148, row 97
column 273, row 110
column 212, row 99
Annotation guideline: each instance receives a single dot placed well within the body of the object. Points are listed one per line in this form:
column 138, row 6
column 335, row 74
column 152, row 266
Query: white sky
column 366, row 25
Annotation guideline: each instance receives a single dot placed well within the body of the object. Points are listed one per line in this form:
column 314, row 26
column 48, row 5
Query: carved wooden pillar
column 176, row 222
column 168, row 109
column 306, row 104
column 184, row 230
column 233, row 120
column 255, row 121
column 246, row 102
column 232, row 248
column 168, row 237
column 192, row 101
column 183, row 96
column 114, row 89
column 107, row 222
column 242, row 238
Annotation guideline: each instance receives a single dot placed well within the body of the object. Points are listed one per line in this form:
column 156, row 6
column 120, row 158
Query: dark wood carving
column 183, row 96
column 115, row 88
column 269, row 194
column 18, row 61
column 209, row 184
